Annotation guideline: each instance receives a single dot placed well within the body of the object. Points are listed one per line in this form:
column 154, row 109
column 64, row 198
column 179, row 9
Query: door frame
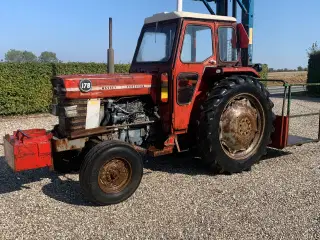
column 181, row 113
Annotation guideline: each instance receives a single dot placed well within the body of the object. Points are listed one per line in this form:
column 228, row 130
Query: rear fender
column 216, row 73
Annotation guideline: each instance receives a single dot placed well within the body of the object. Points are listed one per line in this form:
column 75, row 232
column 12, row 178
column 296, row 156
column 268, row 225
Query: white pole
column 179, row 5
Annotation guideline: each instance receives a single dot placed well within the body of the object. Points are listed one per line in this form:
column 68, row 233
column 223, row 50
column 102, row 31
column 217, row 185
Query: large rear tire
column 235, row 126
column 110, row 173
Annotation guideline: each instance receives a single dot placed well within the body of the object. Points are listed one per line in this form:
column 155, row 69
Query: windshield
column 157, row 43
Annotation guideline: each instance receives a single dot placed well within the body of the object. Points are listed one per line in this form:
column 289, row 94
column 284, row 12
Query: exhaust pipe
column 179, row 5
column 110, row 50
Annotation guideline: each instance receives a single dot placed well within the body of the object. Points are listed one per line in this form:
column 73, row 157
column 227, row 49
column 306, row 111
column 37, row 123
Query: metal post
column 110, row 50
column 247, row 21
column 234, row 14
column 234, row 8
column 179, row 5
column 289, row 102
column 284, row 100
column 222, row 7
column 205, row 2
column 193, row 45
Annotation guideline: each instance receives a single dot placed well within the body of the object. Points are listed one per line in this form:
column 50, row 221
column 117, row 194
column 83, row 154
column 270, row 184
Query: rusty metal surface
column 114, row 175
column 154, row 152
column 140, row 149
column 90, row 132
column 60, row 145
column 170, row 141
column 8, row 151
column 240, row 134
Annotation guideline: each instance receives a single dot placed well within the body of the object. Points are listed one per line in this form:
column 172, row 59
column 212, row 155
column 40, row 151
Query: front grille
column 71, row 112
column 77, row 120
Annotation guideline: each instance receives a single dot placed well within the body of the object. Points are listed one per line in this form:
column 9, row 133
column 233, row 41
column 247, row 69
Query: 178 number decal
column 85, row 85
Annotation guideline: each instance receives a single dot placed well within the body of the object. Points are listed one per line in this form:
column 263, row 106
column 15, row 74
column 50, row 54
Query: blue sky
column 77, row 30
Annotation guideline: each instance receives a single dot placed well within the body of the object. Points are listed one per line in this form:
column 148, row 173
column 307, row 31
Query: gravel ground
column 277, row 199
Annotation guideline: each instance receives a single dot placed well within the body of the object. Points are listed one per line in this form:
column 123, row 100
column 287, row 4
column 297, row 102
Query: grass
column 290, row 77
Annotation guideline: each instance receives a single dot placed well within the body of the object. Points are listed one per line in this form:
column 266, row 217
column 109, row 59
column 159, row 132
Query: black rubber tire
column 208, row 143
column 94, row 160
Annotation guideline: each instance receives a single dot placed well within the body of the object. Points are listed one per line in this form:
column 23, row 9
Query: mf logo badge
column 85, row 85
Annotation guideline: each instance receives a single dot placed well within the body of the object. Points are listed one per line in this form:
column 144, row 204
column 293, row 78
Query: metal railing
column 287, row 91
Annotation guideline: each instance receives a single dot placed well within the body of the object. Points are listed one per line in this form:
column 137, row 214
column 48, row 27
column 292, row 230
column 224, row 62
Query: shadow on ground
column 11, row 181
column 184, row 163
column 60, row 188
column 67, row 190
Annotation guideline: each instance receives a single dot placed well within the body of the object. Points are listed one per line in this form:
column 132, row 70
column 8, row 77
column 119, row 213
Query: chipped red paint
column 109, row 85
column 170, row 141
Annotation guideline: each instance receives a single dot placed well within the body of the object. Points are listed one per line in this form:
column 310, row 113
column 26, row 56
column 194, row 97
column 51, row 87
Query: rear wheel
column 235, row 125
column 110, row 173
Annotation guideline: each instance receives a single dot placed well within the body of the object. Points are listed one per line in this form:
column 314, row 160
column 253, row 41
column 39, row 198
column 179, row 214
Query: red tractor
column 187, row 90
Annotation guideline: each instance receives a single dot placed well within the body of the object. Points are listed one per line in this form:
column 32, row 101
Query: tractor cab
column 184, row 38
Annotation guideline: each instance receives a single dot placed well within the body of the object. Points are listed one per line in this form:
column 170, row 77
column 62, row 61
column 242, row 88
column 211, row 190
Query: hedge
column 314, row 72
column 264, row 72
column 26, row 88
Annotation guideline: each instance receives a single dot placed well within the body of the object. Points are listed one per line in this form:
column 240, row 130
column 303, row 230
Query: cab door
column 195, row 52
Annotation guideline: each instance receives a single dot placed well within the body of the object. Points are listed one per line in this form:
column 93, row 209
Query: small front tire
column 110, row 173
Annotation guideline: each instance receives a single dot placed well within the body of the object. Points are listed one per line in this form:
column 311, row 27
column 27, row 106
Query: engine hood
column 103, row 85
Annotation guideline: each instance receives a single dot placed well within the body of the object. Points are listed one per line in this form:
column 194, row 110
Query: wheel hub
column 114, row 175
column 239, row 128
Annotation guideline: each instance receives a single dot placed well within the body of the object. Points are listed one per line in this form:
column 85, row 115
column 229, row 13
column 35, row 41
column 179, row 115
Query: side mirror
column 243, row 36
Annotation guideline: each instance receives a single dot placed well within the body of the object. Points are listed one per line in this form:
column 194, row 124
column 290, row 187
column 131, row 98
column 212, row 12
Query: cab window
column 197, row 44
column 227, row 44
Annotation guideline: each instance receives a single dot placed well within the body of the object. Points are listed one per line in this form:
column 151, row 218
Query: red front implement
column 28, row 149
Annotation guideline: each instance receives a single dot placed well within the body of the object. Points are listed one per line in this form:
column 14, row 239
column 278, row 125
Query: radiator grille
column 68, row 124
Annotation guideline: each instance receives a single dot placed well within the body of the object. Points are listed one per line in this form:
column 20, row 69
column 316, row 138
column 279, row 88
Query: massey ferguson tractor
column 190, row 88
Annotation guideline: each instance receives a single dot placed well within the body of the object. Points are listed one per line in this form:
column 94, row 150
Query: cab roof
column 174, row 15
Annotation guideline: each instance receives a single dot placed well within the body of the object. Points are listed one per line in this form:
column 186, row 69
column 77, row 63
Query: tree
column 48, row 57
column 315, row 48
column 19, row 56
column 300, row 68
column 13, row 56
column 29, row 57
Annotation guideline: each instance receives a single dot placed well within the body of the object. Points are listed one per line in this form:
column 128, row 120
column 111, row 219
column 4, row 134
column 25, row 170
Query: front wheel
column 235, row 125
column 110, row 173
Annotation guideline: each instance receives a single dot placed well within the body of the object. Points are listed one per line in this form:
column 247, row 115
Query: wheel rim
column 114, row 175
column 241, row 126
